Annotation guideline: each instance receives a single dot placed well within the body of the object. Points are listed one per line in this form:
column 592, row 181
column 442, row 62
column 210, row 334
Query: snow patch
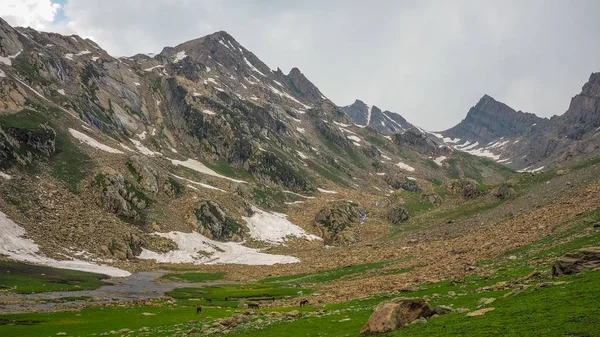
column 199, row 167
column 7, row 60
column 14, row 245
column 61, row 91
column 198, row 249
column 152, row 68
column 354, row 138
column 252, row 67
column 210, row 187
column 405, row 167
column 326, row 191
column 301, row 130
column 208, row 112
column 179, row 56
column 439, row 160
column 302, row 155
column 142, row 149
column 5, row 176
column 92, row 142
column 274, row 227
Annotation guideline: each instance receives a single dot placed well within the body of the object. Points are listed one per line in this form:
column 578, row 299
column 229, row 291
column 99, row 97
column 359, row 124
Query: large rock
column 333, row 222
column 577, row 261
column 213, row 222
column 117, row 195
column 21, row 145
column 466, row 188
column 397, row 214
column 395, row 314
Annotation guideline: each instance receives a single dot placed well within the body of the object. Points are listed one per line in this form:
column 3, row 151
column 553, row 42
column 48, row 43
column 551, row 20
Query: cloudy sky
column 427, row 60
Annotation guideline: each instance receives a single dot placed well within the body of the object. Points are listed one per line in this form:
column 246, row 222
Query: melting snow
column 301, row 130
column 369, row 109
column 198, row 249
column 126, row 147
column 199, row 167
column 2, row 74
column 252, row 67
column 155, row 67
column 279, row 84
column 143, row 150
column 61, row 91
column 354, row 138
column 388, row 138
column 7, row 60
column 341, row 124
column 14, row 245
column 210, row 187
column 5, row 176
column 284, row 94
column 302, row 155
column 273, row 227
column 208, row 112
column 385, row 157
column 179, row 56
column 137, row 84
column 405, row 167
column 92, row 142
column 142, row 135
column 439, row 160
column 326, row 191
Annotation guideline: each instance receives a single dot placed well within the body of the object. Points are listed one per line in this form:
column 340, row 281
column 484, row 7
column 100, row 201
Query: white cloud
column 37, row 14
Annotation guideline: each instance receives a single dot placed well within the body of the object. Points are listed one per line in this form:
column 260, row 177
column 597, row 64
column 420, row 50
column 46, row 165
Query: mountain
column 201, row 137
column 382, row 121
column 525, row 141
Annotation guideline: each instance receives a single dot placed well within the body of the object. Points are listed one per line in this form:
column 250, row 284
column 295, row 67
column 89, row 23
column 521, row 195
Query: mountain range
column 204, row 135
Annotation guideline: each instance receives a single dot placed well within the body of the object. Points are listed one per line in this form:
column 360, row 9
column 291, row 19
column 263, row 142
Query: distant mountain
column 525, row 141
column 382, row 121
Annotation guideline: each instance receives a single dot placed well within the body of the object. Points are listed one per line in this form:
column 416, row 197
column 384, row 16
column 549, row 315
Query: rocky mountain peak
column 382, row 121
column 301, row 85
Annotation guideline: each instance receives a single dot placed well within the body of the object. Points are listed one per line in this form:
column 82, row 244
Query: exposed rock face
column 577, row 261
column 490, row 120
column 153, row 179
column 466, row 188
column 398, row 182
column 118, row 195
column 382, row 121
column 523, row 140
column 270, row 168
column 333, row 222
column 431, row 198
column 395, row 314
column 301, row 85
column 213, row 222
column 397, row 214
column 21, row 145
column 418, row 140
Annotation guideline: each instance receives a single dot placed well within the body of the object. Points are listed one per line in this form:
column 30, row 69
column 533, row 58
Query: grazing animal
column 303, row 303
column 226, row 299
column 253, row 306
column 209, row 300
column 198, row 309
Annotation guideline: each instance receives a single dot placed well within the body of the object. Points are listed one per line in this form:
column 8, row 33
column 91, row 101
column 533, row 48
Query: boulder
column 333, row 222
column 577, row 261
column 431, row 198
column 395, row 314
column 466, row 188
column 442, row 310
column 397, row 214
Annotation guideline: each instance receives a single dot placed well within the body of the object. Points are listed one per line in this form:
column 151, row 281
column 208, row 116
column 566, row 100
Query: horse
column 253, row 306
column 198, row 309
column 303, row 303
column 208, row 300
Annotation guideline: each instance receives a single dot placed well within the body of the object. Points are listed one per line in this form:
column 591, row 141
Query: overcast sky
column 427, row 60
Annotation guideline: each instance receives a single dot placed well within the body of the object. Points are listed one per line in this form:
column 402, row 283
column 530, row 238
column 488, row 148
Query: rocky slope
column 527, row 142
column 382, row 121
column 201, row 137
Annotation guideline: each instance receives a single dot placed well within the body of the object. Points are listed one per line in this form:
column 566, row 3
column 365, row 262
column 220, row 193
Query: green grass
column 16, row 277
column 567, row 310
column 325, row 276
column 223, row 167
column 68, row 165
column 231, row 295
column 413, row 203
column 193, row 277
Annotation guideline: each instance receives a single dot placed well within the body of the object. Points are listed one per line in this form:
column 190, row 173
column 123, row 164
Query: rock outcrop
column 213, row 222
column 395, row 314
column 382, row 121
column 577, row 261
column 333, row 223
column 397, row 214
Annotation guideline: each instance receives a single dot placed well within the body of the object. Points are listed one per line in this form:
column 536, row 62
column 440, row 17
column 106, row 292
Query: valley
column 198, row 192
